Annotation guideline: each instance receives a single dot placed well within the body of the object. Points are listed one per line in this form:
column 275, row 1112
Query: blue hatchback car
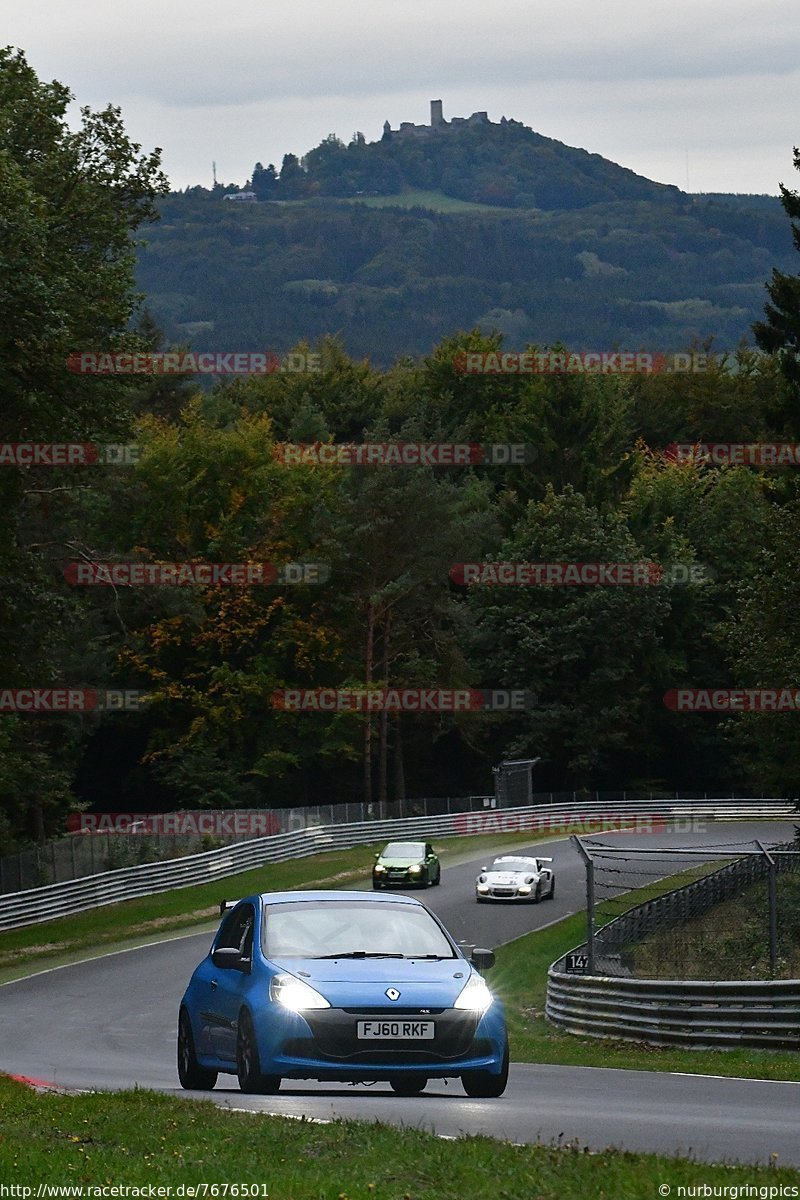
column 340, row 986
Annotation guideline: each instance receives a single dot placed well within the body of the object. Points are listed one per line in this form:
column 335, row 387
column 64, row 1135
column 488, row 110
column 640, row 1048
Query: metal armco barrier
column 676, row 1012
column 111, row 887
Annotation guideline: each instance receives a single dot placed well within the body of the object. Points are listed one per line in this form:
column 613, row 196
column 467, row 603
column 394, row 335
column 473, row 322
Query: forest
column 208, row 481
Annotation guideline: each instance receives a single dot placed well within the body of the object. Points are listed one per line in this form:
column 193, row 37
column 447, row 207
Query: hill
column 505, row 164
column 395, row 244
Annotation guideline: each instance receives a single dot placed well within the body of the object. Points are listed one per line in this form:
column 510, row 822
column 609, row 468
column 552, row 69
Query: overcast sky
column 701, row 94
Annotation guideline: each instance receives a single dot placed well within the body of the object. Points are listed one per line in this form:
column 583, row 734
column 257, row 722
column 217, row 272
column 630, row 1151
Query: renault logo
column 393, row 993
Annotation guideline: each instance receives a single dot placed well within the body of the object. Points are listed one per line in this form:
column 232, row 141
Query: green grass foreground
column 142, row 1138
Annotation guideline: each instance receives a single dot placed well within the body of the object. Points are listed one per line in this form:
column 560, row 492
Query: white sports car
column 516, row 878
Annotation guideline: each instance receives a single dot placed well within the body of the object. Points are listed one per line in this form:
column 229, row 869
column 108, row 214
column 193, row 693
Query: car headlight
column 294, row 994
column 378, row 868
column 524, row 889
column 475, row 996
column 482, row 887
column 415, row 870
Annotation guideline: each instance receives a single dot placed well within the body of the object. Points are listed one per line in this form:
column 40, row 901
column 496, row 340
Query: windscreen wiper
column 362, row 954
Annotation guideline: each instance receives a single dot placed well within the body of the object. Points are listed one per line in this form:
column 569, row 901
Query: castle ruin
column 438, row 124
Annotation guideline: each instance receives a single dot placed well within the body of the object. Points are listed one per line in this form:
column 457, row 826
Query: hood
column 508, row 877
column 400, row 862
column 346, row 982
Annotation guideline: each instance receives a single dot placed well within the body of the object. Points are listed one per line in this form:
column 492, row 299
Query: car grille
column 395, row 1011
column 504, row 891
column 334, row 1037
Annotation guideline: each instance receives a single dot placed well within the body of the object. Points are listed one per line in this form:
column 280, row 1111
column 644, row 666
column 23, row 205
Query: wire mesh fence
column 728, row 910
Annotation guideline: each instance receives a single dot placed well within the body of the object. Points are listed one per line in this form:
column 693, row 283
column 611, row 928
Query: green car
column 406, row 864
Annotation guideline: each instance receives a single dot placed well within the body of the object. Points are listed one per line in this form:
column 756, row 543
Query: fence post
column 772, row 893
column 576, row 841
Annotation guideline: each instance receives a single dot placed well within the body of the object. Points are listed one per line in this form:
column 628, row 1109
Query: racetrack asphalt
column 110, row 1023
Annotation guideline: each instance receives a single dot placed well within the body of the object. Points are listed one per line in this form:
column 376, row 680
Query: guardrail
column 677, row 1012
column 93, row 891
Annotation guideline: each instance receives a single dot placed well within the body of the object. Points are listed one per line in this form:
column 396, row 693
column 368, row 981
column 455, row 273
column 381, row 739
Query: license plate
column 396, row 1031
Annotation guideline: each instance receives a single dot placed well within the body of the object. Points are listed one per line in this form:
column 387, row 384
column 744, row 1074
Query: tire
column 191, row 1074
column 551, row 895
column 248, row 1066
column 438, row 878
column 537, row 895
column 482, row 1085
column 408, row 1085
column 377, row 887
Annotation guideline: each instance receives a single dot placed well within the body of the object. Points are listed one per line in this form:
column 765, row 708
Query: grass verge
column 146, row 1138
column 132, row 922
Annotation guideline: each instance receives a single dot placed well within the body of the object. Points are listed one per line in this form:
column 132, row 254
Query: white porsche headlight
column 482, row 887
column 294, row 994
column 475, row 996
column 524, row 889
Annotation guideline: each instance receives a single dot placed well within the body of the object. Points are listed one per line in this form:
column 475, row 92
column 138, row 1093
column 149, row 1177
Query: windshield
column 513, row 864
column 404, row 850
column 353, row 928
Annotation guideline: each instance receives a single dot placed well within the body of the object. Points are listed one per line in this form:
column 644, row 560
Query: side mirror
column 229, row 958
column 378, row 855
column 483, row 870
column 483, row 960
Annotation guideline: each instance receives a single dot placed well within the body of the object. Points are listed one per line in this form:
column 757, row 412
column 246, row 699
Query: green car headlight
column 415, row 870
column 378, row 868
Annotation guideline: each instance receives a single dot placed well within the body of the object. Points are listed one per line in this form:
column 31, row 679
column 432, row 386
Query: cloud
column 250, row 81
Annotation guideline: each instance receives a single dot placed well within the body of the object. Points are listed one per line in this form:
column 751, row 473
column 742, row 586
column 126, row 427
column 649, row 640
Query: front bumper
column 500, row 893
column 398, row 878
column 323, row 1044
